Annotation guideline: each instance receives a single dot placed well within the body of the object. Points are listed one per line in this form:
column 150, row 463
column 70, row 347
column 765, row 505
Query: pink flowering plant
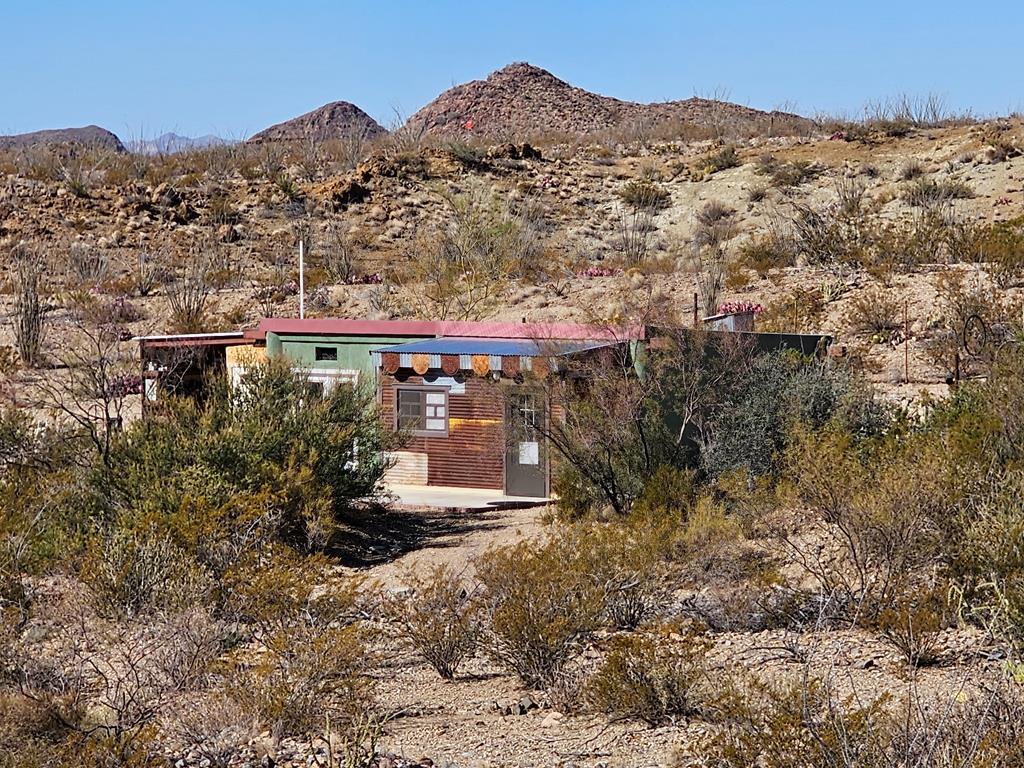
column 739, row 307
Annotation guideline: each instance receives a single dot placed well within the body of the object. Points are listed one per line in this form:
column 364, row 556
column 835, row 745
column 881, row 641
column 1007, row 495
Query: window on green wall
column 325, row 353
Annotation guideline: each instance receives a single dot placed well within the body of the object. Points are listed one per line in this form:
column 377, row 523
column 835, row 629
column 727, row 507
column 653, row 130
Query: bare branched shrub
column 214, row 726
column 339, row 253
column 709, row 271
column 188, row 296
column 636, row 226
column 439, row 616
column 29, row 310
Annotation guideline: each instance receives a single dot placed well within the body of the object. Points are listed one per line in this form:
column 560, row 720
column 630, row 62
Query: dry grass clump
column 932, row 192
column 642, row 194
column 719, row 160
column 790, row 173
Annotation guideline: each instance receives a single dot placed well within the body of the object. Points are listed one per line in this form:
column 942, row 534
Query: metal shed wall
column 473, row 453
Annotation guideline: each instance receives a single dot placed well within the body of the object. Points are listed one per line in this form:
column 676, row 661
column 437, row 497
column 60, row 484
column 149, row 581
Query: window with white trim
column 422, row 410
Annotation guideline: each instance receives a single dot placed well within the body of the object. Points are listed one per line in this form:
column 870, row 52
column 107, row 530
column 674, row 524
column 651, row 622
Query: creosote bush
column 439, row 616
column 874, row 312
column 540, row 607
column 650, row 677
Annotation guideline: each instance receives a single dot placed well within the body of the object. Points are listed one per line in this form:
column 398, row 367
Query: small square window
column 325, row 353
column 421, row 411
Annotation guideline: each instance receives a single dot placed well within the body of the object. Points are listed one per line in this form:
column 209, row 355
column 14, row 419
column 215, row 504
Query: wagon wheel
column 975, row 335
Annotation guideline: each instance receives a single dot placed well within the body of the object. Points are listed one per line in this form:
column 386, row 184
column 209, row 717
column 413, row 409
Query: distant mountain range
column 169, row 143
column 515, row 101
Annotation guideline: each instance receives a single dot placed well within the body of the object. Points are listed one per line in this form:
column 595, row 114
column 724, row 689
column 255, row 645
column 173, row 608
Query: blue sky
column 231, row 67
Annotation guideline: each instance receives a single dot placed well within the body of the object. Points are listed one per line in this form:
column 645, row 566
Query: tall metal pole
column 906, row 341
column 302, row 280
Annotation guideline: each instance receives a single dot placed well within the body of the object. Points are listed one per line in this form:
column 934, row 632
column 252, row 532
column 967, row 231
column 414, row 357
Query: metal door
column 526, row 467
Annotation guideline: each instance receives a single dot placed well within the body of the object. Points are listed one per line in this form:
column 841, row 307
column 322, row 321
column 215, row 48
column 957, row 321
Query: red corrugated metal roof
column 432, row 328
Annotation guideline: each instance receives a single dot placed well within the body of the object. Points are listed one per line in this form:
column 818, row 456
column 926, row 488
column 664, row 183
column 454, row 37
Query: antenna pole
column 302, row 280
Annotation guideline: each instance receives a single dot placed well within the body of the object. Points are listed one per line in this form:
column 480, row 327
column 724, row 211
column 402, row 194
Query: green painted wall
column 353, row 351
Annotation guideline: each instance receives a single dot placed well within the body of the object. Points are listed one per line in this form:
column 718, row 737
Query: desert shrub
column 976, row 319
column 1001, row 246
column 787, row 725
column 539, row 607
column 720, row 160
column 786, row 173
column 188, row 297
column 88, row 264
column 262, row 460
column 313, row 662
column 757, row 193
column 460, row 270
column 931, row 192
column 874, row 312
column 805, row 722
column 912, row 623
column 671, row 489
column 438, row 616
column 644, row 194
column 911, row 169
column 628, row 563
column 651, row 679
column 780, row 388
column 795, row 311
column 764, row 253
column 29, row 311
column 131, row 573
column 709, row 271
column 882, row 518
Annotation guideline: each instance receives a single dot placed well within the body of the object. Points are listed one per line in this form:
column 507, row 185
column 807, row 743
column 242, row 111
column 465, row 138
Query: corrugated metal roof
column 462, row 328
column 453, row 345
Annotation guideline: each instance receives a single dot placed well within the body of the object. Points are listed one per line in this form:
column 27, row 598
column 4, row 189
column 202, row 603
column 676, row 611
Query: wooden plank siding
column 473, row 453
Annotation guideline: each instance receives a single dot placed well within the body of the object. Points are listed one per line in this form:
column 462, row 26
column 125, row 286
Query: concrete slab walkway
column 444, row 497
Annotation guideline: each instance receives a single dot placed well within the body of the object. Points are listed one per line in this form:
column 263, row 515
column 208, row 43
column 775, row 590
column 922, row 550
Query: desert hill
column 524, row 99
column 91, row 135
column 331, row 121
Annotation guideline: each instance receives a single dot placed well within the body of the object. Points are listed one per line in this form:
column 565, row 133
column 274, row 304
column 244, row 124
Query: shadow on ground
column 378, row 535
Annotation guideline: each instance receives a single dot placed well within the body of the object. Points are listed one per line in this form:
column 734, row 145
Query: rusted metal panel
column 472, row 455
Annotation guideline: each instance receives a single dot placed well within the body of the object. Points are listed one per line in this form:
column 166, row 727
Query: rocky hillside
column 524, row 100
column 90, row 135
column 331, row 121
